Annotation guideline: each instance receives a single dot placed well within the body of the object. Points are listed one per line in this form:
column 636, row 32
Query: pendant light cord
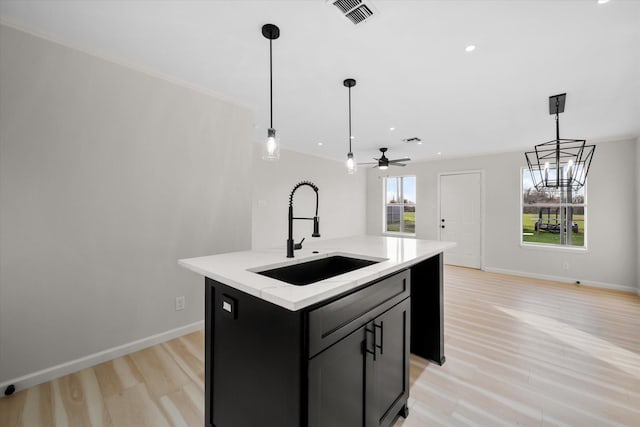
column 271, row 82
column 349, row 119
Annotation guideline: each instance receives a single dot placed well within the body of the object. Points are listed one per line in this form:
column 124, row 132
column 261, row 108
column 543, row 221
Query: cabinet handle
column 381, row 327
column 366, row 341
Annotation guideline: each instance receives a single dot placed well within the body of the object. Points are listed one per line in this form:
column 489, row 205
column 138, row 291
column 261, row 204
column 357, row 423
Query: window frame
column 553, row 246
column 385, row 204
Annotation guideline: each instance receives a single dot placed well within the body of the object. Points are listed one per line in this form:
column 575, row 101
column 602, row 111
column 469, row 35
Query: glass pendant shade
column 271, row 146
column 352, row 166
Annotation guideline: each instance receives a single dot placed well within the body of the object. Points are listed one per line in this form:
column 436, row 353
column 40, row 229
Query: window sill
column 553, row 248
column 398, row 234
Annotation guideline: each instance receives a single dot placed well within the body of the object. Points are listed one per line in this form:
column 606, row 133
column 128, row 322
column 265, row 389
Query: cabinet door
column 336, row 384
column 387, row 379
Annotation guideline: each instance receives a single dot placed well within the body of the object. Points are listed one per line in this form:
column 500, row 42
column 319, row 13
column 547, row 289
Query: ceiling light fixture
column 470, row 48
column 560, row 163
column 603, row 1
column 271, row 147
column 352, row 166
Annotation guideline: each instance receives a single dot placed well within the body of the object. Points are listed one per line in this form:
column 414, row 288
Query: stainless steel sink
column 308, row 272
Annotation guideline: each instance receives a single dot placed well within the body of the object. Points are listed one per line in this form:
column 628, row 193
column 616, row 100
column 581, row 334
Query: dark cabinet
column 341, row 362
column 336, row 381
column 363, row 379
column 387, row 369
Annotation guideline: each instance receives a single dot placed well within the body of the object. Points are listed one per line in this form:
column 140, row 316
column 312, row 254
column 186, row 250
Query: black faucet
column 316, row 222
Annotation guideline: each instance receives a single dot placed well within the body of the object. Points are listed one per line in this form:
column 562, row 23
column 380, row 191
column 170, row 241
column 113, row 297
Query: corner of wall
column 638, row 215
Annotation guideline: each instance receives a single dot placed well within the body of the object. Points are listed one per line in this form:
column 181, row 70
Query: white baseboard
column 66, row 368
column 589, row 283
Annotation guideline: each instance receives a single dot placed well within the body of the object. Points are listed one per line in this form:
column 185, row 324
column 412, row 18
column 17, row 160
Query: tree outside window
column 400, row 204
column 553, row 216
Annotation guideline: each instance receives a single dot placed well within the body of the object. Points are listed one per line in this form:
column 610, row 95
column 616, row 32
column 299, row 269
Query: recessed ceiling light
column 420, row 143
column 603, row 1
column 320, row 144
column 392, row 129
column 352, row 137
column 439, row 153
column 470, row 48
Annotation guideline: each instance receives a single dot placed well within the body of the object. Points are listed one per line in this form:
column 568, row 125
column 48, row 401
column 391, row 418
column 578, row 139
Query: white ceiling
column 409, row 61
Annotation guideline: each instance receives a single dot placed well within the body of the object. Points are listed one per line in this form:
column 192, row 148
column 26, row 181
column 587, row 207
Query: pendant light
column 560, row 163
column 352, row 166
column 271, row 147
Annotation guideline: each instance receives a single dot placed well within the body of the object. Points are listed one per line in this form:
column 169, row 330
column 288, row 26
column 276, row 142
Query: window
column 553, row 216
column 400, row 204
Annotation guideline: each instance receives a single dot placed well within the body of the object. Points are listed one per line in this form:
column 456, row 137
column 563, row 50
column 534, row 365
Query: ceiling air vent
column 412, row 140
column 357, row 11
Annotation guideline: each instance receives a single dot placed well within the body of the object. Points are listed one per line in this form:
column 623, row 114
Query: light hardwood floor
column 519, row 352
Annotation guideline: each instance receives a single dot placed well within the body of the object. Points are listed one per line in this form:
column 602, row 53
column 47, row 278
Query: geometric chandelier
column 560, row 163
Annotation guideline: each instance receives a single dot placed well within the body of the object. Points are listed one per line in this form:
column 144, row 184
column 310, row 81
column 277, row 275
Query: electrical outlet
column 179, row 303
column 565, row 266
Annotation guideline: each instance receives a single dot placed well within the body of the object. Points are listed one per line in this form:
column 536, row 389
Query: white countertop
column 236, row 269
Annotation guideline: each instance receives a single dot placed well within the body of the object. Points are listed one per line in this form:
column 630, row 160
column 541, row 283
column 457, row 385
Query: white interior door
column 460, row 218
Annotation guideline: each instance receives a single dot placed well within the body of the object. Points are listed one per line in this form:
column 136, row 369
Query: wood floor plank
column 37, row 408
column 78, row 400
column 181, row 408
column 136, row 407
column 189, row 358
column 117, row 375
column 12, row 409
column 161, row 373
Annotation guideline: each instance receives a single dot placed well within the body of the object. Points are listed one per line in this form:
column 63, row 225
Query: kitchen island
column 330, row 353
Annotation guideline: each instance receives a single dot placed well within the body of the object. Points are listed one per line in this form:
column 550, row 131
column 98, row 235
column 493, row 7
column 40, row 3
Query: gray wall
column 107, row 177
column 342, row 198
column 612, row 223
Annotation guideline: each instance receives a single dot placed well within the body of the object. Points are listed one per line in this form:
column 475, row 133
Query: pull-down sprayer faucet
column 316, row 221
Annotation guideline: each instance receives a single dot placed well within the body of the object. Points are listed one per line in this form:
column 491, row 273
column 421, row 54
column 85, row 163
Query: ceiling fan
column 383, row 162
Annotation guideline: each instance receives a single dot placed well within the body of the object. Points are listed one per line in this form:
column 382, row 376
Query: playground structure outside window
column 553, row 216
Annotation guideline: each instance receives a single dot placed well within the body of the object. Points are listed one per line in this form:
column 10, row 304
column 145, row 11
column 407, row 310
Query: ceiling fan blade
column 397, row 164
column 368, row 163
column 404, row 159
